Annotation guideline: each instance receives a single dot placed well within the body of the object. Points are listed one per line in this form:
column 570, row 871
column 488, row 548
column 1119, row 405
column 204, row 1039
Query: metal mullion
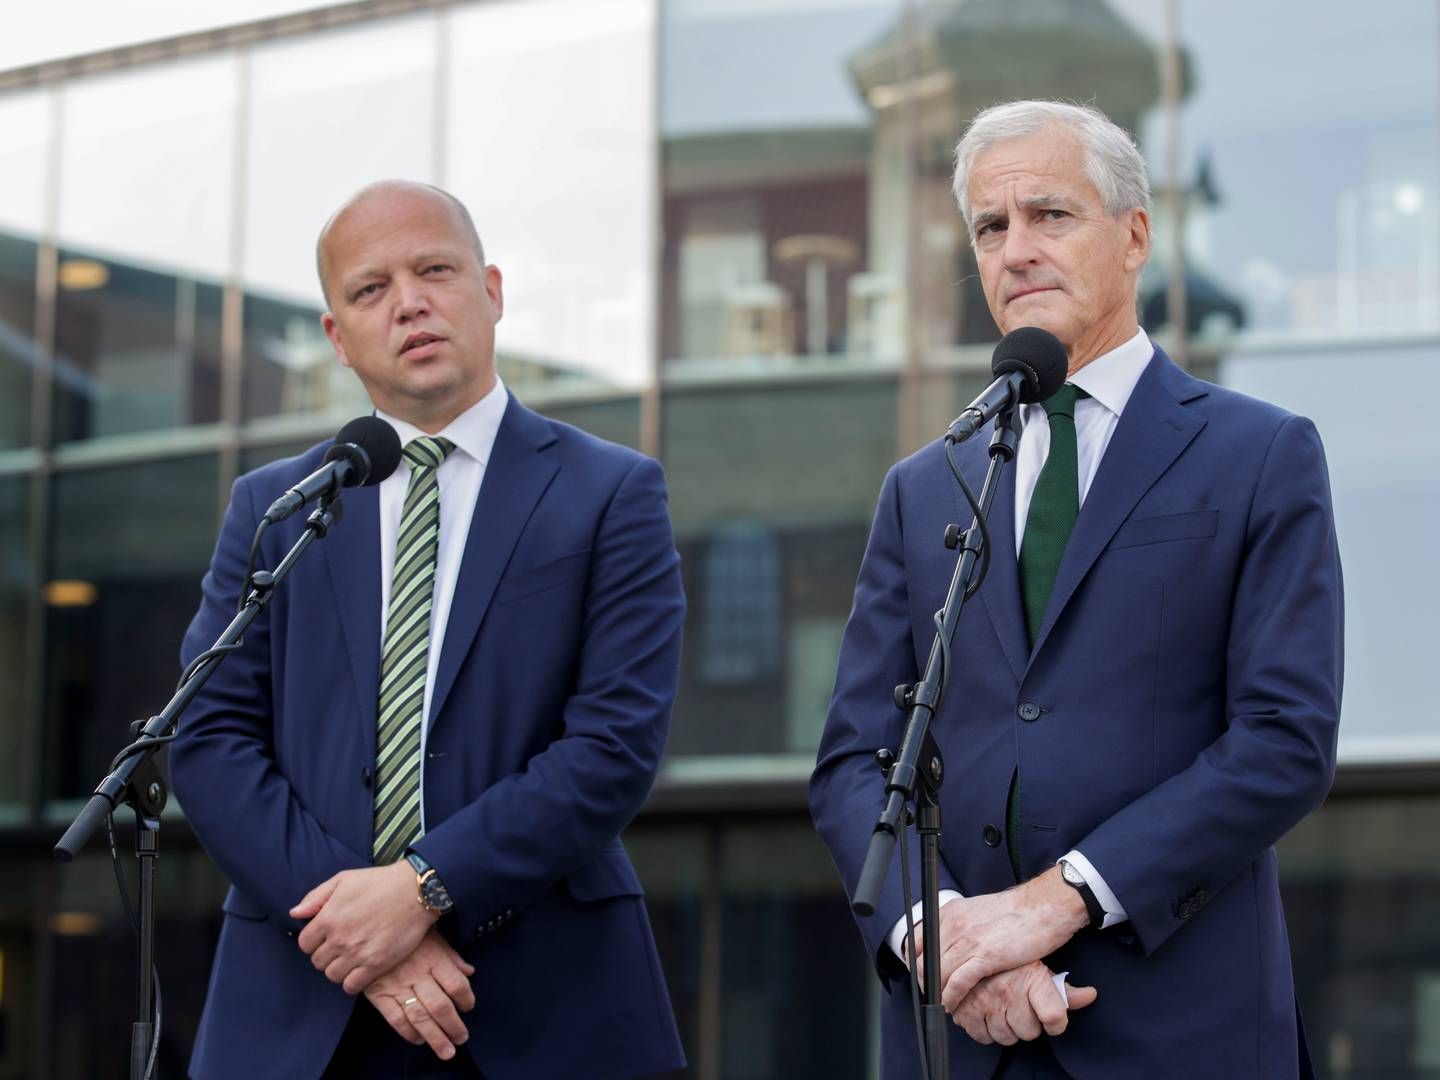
column 232, row 309
column 1176, row 300
column 47, row 257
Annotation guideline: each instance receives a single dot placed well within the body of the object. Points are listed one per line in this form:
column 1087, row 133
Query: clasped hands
column 367, row 932
column 995, row 984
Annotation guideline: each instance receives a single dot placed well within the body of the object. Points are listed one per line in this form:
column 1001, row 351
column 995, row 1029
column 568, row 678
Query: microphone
column 366, row 451
column 1029, row 364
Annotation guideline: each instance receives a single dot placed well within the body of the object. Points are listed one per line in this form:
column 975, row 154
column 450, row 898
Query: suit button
column 1186, row 909
column 366, row 776
column 991, row 835
column 1029, row 711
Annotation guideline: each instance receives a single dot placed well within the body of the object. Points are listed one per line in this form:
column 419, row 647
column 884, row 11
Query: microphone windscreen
column 1036, row 353
column 379, row 442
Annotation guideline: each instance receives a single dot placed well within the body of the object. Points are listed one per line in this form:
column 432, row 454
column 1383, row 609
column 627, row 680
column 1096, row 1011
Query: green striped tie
column 405, row 660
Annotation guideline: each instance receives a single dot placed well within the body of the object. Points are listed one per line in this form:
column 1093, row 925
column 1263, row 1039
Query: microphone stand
column 136, row 781
column 917, row 774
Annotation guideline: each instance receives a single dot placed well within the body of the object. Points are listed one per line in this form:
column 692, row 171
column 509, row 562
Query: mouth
column 1030, row 292
column 416, row 343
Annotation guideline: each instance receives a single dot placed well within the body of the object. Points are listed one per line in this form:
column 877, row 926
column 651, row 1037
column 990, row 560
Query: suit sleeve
column 1191, row 835
column 847, row 791
column 580, row 792
column 240, row 804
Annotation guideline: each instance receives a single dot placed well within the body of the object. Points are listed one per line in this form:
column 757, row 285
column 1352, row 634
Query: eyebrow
column 1033, row 202
column 368, row 273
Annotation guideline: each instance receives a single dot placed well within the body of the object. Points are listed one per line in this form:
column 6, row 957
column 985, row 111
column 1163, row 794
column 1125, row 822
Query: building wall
column 727, row 239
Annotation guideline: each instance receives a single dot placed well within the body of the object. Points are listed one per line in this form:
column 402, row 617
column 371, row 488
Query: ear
column 495, row 291
column 332, row 331
column 1138, row 249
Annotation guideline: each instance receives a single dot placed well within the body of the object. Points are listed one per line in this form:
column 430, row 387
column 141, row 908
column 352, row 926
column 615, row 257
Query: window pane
column 1315, row 223
column 135, row 581
column 24, row 151
column 1361, row 898
column 17, row 337
column 1321, row 209
column 771, row 491
column 147, row 164
column 16, row 576
column 329, row 114
column 135, row 349
column 781, row 245
column 289, row 366
column 567, row 216
column 794, row 974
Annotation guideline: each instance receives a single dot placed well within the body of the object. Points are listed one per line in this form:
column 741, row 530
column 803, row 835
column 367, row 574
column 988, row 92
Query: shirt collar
column 473, row 431
column 1111, row 377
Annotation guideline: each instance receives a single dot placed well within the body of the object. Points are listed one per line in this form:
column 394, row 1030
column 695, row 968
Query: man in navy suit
column 1146, row 689
column 416, row 770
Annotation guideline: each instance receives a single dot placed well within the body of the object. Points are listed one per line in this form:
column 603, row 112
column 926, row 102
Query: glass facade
column 728, row 240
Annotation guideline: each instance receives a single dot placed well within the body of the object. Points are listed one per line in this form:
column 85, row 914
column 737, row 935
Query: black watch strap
column 433, row 895
column 1076, row 880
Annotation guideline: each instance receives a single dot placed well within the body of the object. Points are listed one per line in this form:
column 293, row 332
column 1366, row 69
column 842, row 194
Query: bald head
column 382, row 188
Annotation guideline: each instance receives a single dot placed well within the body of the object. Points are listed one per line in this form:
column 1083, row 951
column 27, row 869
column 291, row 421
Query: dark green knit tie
column 1053, row 509
column 404, row 661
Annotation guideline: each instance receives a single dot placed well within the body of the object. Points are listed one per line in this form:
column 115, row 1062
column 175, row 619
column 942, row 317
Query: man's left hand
column 985, row 935
column 1019, row 1005
column 362, row 923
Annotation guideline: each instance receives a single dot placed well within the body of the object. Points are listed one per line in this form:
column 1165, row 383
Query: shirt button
column 1029, row 711
column 991, row 835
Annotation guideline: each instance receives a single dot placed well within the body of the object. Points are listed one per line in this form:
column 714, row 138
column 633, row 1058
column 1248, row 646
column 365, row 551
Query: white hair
column 1112, row 162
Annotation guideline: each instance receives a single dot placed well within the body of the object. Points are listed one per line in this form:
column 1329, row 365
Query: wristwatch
column 433, row 895
column 1076, row 880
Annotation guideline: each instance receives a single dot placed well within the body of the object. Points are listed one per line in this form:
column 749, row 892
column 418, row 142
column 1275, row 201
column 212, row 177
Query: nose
column 1020, row 250
column 412, row 298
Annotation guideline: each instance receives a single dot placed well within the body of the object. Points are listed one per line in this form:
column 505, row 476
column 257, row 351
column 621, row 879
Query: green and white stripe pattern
column 405, row 660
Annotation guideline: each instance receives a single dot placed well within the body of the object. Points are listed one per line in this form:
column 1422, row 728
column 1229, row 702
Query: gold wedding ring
column 408, row 1001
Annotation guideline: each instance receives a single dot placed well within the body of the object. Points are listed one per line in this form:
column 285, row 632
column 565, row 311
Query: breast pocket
column 1190, row 525
column 548, row 575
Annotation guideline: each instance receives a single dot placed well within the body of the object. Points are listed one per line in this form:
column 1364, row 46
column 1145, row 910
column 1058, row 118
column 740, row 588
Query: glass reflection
column 779, row 241
column 146, row 167
column 289, row 365
column 793, row 975
column 16, row 576
column 24, row 154
column 135, row 349
column 770, row 533
column 17, row 338
column 137, row 580
column 1321, row 208
column 328, row 114
column 568, row 215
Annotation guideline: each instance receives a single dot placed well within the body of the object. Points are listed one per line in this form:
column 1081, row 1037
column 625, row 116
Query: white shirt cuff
column 897, row 932
column 1114, row 910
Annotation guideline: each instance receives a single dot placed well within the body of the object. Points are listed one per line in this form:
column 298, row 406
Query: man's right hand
column 419, row 997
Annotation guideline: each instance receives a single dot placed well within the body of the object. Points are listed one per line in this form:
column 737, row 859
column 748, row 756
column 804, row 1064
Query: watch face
column 435, row 895
column 1071, row 874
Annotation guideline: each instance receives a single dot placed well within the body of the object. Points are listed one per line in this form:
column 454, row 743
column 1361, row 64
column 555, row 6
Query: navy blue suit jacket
column 1187, row 674
column 549, row 714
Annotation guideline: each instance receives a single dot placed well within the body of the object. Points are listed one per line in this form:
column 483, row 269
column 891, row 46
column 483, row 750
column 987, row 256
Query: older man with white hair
column 1146, row 690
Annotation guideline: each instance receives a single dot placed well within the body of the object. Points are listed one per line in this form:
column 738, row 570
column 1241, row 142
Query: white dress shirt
column 459, row 475
column 1109, row 380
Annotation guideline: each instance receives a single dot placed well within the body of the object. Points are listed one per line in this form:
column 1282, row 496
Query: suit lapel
column 516, row 476
column 352, row 554
column 1000, row 592
column 1153, row 431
